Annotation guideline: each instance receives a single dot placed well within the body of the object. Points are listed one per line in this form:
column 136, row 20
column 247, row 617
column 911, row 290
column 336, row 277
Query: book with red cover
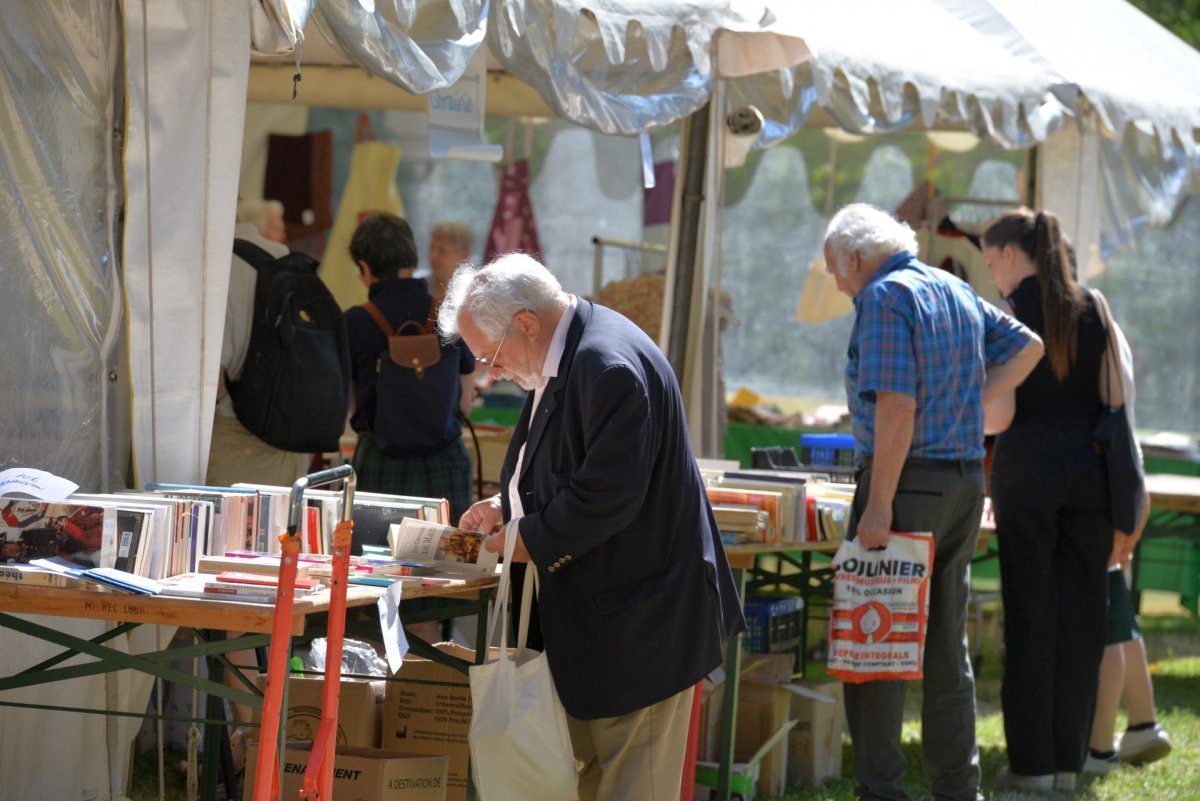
column 199, row 585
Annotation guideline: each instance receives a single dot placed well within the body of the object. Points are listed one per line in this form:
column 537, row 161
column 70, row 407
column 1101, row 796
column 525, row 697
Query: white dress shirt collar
column 558, row 344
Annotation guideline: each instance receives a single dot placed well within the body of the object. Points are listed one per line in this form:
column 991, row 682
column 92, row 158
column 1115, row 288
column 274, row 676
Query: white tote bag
column 520, row 745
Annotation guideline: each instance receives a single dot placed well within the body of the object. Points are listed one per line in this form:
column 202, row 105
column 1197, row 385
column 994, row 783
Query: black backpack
column 294, row 390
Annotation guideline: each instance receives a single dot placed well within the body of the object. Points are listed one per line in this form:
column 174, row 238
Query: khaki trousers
column 634, row 757
column 237, row 455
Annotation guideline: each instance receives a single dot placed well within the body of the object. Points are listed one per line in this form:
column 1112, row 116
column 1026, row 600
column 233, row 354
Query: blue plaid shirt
column 924, row 333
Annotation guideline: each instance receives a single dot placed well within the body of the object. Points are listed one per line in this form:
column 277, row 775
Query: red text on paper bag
column 881, row 609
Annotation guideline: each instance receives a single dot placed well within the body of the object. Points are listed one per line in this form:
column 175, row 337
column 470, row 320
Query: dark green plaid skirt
column 441, row 474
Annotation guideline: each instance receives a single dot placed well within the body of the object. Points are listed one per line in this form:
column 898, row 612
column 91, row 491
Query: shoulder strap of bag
column 500, row 615
column 500, row 611
column 1112, row 357
column 387, row 330
column 379, row 319
column 531, row 588
column 251, row 253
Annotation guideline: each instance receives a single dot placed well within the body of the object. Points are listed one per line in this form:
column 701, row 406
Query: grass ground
column 1173, row 646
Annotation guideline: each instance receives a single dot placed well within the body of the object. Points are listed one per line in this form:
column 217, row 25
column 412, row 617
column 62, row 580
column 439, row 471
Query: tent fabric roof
column 617, row 66
column 919, row 64
column 1005, row 69
column 1108, row 61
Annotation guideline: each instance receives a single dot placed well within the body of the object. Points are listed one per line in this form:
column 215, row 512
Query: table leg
column 805, row 602
column 733, row 654
column 214, row 711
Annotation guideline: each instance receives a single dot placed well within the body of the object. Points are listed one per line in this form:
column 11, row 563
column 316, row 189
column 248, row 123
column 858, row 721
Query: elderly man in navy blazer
column 602, row 491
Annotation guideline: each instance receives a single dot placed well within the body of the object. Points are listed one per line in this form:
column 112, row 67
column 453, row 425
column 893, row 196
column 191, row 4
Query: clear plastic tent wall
column 60, row 304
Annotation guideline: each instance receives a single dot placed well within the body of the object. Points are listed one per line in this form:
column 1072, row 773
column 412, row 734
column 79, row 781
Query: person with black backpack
column 410, row 389
column 277, row 326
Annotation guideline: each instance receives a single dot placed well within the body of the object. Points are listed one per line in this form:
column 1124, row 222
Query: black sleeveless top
column 1042, row 400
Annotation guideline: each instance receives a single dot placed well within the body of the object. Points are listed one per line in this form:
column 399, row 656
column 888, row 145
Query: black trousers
column 1055, row 534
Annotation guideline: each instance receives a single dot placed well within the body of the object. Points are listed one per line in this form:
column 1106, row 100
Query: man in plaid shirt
column 925, row 354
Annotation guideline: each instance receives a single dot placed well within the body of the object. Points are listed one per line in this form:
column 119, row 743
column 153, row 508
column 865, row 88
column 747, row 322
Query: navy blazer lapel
column 557, row 385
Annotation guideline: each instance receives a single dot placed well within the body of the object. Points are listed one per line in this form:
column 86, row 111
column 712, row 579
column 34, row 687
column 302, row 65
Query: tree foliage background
column 1181, row 17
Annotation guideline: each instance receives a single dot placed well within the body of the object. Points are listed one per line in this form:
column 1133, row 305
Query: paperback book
column 448, row 549
column 204, row 585
column 83, row 534
column 38, row 577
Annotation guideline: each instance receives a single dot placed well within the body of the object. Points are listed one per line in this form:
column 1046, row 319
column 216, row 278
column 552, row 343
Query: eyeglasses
column 489, row 362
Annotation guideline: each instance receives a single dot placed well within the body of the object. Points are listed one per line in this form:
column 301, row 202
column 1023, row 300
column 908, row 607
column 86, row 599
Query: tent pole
column 692, row 156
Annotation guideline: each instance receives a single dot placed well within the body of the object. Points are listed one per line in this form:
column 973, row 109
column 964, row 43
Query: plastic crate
column 773, row 623
column 827, row 450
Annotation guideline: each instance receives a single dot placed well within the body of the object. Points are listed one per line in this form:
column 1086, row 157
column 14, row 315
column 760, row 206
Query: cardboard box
column 763, row 709
column 428, row 711
column 361, row 774
column 360, row 710
column 814, row 747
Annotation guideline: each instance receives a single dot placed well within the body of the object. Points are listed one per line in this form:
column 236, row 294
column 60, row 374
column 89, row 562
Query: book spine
column 270, row 583
column 38, row 578
column 192, row 592
column 240, row 591
column 250, row 589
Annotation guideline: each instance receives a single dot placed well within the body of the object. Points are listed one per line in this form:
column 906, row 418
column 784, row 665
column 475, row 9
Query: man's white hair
column 868, row 231
column 255, row 210
column 493, row 294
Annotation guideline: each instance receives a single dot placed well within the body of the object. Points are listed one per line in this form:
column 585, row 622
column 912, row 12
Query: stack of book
column 170, row 530
column 772, row 502
column 232, row 586
column 801, row 505
column 741, row 524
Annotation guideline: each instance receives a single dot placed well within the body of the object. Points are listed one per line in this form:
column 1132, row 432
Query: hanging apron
column 513, row 226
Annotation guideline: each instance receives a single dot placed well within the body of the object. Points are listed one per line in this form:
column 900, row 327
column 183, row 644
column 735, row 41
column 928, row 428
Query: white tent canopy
column 1006, row 69
column 1110, row 62
column 917, row 64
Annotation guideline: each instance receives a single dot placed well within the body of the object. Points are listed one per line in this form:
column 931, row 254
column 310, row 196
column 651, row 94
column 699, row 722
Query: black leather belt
column 958, row 465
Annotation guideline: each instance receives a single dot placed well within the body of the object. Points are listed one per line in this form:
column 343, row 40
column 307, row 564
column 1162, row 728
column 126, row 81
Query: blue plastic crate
column 772, row 623
column 827, row 449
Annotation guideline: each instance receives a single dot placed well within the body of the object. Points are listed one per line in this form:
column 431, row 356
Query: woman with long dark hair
column 1053, row 521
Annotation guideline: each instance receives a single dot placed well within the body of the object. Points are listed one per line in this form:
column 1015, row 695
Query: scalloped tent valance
column 1003, row 69
column 1113, row 66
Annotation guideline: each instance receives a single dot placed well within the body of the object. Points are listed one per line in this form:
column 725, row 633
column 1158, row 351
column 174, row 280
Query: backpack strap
column 379, row 319
column 251, row 253
column 387, row 330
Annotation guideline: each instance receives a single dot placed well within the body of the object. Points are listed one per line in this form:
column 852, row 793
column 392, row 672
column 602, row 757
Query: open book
column 448, row 549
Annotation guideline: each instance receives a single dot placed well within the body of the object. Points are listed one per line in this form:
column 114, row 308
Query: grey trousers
column 945, row 497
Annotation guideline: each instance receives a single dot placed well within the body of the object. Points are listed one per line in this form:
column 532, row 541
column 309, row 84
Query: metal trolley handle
column 318, row 777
